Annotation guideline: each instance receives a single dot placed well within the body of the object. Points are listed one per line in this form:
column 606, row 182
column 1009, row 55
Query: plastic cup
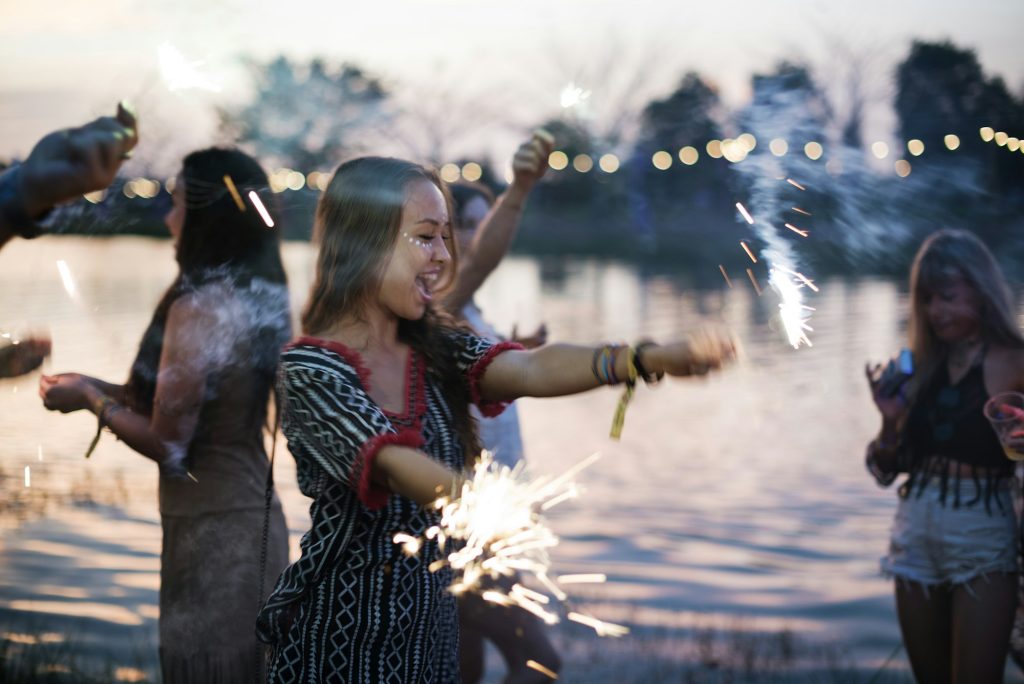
column 1005, row 412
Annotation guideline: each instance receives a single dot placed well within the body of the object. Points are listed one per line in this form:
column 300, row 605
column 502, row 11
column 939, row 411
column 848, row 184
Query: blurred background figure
column 484, row 229
column 196, row 403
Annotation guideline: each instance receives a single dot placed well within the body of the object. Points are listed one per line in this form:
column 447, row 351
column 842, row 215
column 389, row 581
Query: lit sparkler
column 792, row 310
column 494, row 529
column 573, row 96
column 180, row 74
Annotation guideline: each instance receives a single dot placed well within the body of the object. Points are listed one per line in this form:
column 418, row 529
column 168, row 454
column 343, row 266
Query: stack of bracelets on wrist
column 105, row 409
column 603, row 368
column 603, row 364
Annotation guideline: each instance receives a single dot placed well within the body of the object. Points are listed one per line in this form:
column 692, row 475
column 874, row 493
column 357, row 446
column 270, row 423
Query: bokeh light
column 952, row 141
column 582, row 163
column 689, row 155
column 778, row 147
column 902, row 167
column 450, row 173
column 813, row 150
column 472, row 171
column 609, row 163
column 558, row 160
column 915, row 147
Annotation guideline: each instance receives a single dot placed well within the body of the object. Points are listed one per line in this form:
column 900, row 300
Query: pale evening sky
column 64, row 61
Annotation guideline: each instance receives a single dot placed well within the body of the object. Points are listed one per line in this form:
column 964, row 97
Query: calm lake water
column 738, row 502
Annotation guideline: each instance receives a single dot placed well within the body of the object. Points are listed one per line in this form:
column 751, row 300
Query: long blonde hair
column 948, row 254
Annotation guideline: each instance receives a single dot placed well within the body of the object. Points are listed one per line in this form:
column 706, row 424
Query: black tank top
column 947, row 425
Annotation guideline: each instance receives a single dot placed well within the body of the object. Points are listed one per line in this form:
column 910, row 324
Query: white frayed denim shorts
column 934, row 543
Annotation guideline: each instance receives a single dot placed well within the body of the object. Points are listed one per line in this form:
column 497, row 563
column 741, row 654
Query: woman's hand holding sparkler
column 529, row 164
column 703, row 352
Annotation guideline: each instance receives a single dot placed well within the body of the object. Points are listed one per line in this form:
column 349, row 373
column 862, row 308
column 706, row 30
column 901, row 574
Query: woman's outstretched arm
column 561, row 369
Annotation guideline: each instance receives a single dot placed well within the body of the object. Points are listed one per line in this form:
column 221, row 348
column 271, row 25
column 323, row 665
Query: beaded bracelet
column 603, row 364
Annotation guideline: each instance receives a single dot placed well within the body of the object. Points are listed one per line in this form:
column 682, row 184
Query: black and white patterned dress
column 354, row 608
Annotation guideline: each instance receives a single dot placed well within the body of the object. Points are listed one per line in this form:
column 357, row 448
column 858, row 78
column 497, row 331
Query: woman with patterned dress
column 376, row 402
column 953, row 550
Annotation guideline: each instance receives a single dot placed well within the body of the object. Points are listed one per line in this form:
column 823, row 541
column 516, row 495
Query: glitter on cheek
column 416, row 241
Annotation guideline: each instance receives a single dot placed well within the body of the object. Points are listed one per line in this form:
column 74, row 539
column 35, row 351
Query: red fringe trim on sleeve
column 489, row 409
column 372, row 495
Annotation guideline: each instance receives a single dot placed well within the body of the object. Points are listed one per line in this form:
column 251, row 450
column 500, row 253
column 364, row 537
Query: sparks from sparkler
column 795, row 184
column 573, row 96
column 747, row 250
column 602, row 628
column 496, row 525
column 801, row 233
column 725, row 275
column 28, row 476
column 804, row 280
column 746, row 214
column 65, row 277
column 584, row 578
column 534, row 665
column 801, row 211
column 180, row 74
column 264, row 214
column 753, row 281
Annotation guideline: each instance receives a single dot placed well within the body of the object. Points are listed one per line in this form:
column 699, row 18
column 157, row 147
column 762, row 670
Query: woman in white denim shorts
column 953, row 551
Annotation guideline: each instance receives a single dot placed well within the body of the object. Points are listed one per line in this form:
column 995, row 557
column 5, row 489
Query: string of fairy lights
column 733, row 150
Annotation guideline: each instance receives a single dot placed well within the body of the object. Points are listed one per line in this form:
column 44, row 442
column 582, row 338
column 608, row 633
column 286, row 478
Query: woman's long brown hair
column 356, row 227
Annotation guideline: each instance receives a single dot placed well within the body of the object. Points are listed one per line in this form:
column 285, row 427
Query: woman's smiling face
column 420, row 257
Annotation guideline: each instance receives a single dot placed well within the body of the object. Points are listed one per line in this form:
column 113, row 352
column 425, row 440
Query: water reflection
column 738, row 497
